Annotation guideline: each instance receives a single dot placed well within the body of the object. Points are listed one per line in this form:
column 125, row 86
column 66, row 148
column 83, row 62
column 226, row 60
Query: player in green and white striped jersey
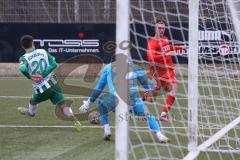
column 38, row 65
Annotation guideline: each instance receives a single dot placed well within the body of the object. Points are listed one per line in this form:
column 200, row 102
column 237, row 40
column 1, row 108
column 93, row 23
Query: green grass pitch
column 57, row 142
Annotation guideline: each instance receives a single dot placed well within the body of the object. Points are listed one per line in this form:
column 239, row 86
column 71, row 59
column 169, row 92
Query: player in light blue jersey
column 107, row 102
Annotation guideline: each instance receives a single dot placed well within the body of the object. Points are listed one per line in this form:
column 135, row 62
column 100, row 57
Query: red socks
column 168, row 103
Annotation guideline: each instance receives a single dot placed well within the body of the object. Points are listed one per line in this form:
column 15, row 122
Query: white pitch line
column 26, row 126
column 25, row 79
column 76, row 97
column 95, row 127
column 71, row 97
column 27, row 97
column 42, row 126
column 72, row 78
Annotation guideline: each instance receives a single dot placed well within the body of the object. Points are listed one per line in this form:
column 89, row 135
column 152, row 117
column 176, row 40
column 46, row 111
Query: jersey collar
column 30, row 50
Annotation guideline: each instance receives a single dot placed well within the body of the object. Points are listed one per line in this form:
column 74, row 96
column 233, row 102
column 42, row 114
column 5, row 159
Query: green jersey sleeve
column 23, row 67
column 53, row 65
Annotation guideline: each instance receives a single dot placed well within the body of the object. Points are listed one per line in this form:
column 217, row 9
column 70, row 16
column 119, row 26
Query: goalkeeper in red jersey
column 161, row 67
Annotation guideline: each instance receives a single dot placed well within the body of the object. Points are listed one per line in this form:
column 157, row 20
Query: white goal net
column 217, row 125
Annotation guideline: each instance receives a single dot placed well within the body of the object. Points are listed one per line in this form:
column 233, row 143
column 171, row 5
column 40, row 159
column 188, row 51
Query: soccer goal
column 206, row 113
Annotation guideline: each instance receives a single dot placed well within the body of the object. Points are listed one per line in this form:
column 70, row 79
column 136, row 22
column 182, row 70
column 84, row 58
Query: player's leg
column 140, row 110
column 154, row 74
column 57, row 98
column 169, row 84
column 151, row 96
column 106, row 103
column 63, row 108
column 170, row 99
column 31, row 108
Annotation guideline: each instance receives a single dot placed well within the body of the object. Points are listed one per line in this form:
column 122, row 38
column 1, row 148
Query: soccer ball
column 93, row 117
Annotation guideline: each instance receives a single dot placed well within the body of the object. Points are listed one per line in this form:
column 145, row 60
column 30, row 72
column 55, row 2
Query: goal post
column 122, row 51
column 232, row 5
column 193, row 75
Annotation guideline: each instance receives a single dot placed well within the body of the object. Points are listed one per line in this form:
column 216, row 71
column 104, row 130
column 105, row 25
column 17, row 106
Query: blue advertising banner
column 63, row 41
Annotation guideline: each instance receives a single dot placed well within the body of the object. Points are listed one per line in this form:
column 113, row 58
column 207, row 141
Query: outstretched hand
column 85, row 107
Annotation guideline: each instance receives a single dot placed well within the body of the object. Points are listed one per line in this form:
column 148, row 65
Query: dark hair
column 161, row 19
column 26, row 41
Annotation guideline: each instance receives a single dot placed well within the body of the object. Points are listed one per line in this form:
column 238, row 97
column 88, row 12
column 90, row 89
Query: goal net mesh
column 218, row 79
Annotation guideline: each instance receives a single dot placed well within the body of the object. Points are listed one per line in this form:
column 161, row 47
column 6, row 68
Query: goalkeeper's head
column 160, row 26
column 27, row 42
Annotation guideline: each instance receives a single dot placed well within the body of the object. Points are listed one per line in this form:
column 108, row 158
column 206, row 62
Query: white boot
column 107, row 132
column 161, row 137
column 30, row 110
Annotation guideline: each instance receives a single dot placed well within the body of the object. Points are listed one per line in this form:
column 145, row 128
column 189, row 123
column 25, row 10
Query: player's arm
column 178, row 47
column 52, row 65
column 99, row 86
column 142, row 78
column 96, row 92
column 23, row 67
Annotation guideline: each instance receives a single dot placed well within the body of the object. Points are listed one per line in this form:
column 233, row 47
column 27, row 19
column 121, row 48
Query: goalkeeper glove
column 147, row 96
column 85, row 107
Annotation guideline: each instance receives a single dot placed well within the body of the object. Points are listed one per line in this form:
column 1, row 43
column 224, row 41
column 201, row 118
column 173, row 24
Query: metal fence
column 94, row 11
column 76, row 11
column 57, row 11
